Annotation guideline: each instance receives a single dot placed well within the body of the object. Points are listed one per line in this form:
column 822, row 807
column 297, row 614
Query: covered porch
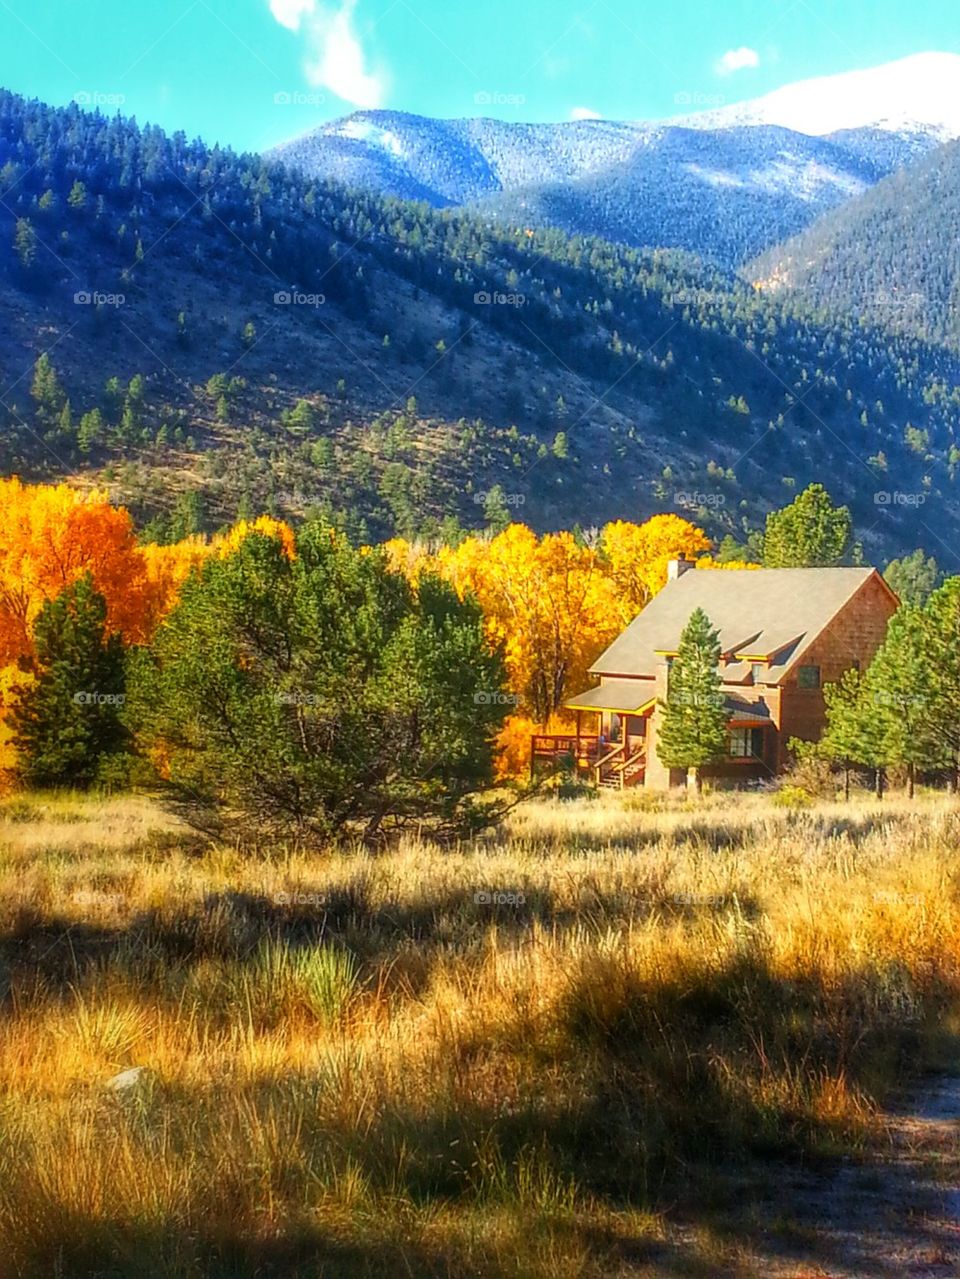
column 614, row 753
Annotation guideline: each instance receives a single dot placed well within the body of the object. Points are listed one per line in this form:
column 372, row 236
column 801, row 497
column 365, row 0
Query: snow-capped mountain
column 915, row 95
column 725, row 183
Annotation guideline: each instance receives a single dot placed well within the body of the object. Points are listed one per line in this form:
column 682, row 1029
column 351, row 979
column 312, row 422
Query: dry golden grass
column 501, row 1060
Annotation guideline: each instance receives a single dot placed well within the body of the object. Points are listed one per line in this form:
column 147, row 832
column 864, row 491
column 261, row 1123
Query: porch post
column 577, row 769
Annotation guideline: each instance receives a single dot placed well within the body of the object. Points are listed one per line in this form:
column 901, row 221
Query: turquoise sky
column 253, row 72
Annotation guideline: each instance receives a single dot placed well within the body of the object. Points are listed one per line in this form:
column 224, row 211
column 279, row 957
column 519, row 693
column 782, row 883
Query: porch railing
column 554, row 747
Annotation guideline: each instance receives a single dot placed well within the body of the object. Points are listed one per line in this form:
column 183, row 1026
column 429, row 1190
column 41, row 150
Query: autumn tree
column 546, row 600
column 636, row 556
column 51, row 535
column 694, row 728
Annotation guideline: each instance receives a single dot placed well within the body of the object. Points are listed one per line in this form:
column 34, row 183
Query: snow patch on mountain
column 919, row 94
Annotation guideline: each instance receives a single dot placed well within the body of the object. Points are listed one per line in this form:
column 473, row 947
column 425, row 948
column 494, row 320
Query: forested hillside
column 724, row 193
column 891, row 256
column 224, row 335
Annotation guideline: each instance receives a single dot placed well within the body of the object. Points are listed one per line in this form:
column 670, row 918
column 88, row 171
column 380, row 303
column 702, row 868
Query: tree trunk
column 846, row 783
column 911, row 779
column 879, row 787
column 693, row 775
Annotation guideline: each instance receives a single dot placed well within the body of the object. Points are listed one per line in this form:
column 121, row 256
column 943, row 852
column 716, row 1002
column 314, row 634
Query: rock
column 126, row 1079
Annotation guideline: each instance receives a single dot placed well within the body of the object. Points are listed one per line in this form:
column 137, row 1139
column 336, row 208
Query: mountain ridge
column 611, row 178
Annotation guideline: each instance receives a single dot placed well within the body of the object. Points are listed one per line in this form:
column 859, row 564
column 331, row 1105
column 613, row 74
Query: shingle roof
column 627, row 695
column 777, row 611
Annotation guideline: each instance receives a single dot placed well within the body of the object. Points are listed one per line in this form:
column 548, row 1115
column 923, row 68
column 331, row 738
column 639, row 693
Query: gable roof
column 768, row 613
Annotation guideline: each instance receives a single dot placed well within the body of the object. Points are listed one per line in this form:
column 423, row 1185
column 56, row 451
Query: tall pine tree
column 68, row 719
column 694, row 728
column 902, row 687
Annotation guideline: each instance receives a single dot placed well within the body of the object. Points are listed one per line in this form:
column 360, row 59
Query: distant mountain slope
column 892, row 256
column 725, row 184
column 221, row 326
column 724, row 194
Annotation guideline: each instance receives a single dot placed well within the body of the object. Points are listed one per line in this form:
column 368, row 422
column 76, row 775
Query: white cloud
column 335, row 58
column 289, row 12
column 737, row 60
column 584, row 113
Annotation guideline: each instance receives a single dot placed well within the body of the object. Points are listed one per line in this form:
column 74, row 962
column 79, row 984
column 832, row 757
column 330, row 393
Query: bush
column 301, row 693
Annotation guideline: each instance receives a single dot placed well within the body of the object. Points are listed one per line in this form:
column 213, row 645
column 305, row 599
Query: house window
column 758, row 670
column 808, row 677
column 746, row 743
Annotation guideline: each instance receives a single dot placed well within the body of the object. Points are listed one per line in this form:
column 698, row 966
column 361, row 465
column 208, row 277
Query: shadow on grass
column 48, row 954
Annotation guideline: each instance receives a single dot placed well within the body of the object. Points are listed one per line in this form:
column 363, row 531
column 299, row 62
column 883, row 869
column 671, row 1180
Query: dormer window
column 758, row 670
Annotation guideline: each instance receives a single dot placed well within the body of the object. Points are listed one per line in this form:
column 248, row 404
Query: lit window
column 808, row 677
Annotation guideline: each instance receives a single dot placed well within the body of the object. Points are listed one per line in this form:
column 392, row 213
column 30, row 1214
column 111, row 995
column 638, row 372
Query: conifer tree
column 809, row 533
column 694, row 728
column 901, row 687
column 68, row 719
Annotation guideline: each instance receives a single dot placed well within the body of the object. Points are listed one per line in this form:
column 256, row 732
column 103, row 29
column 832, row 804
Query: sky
column 251, row 73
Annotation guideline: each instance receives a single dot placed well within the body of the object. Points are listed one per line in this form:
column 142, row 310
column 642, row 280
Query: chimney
column 677, row 568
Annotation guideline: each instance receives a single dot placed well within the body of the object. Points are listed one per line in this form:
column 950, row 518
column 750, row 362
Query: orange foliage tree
column 51, row 535
column 636, row 557
column 546, row 600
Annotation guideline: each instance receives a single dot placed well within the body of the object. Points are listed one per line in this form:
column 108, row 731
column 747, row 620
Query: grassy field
column 584, row 1046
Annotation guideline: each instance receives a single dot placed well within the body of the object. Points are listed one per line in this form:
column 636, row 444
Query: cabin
column 784, row 633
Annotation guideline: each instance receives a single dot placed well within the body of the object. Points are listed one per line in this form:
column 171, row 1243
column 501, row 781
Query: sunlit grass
column 505, row 1058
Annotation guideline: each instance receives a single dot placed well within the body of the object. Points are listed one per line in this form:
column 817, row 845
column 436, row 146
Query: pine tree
column 841, row 742
column 856, row 730
column 90, row 431
column 68, row 719
column 694, row 728
column 809, row 533
column 46, row 390
column 942, row 638
column 25, row 242
column 914, row 577
column 902, row 689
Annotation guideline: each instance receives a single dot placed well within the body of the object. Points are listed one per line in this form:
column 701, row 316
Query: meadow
column 589, row 1043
